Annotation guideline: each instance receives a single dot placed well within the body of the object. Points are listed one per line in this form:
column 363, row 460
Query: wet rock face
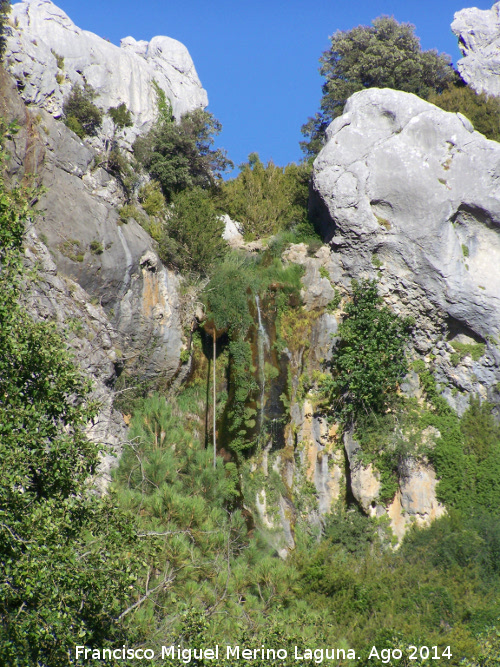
column 478, row 33
column 408, row 193
column 47, row 54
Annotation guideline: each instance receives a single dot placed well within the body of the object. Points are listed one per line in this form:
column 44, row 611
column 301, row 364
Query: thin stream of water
column 262, row 344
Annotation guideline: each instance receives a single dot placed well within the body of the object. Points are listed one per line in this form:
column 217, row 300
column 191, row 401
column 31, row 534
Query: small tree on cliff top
column 386, row 54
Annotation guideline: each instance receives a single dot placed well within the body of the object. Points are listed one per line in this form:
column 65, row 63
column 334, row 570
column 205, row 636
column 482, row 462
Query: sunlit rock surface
column 47, row 54
column 478, row 33
column 410, row 194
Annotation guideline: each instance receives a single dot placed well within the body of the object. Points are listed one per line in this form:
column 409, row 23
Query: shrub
column 266, row 198
column 75, row 126
column 96, row 248
column 193, row 239
column 180, row 155
column 370, row 359
column 152, row 199
column 79, row 107
column 121, row 116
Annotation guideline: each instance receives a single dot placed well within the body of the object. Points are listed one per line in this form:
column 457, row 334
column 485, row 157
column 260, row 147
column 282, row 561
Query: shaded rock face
column 478, row 33
column 91, row 339
column 115, row 299
column 408, row 193
column 42, row 34
column 415, row 501
column 115, row 263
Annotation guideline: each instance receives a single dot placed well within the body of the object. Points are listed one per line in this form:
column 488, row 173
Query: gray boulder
column 47, row 54
column 478, row 33
column 410, row 194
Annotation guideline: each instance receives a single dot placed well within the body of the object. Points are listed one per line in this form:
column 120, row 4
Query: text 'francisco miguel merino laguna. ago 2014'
column 186, row 655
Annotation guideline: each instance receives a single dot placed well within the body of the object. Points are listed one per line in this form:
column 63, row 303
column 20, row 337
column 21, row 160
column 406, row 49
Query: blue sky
column 258, row 59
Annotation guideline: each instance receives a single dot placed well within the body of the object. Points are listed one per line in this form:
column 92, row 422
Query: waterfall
column 262, row 344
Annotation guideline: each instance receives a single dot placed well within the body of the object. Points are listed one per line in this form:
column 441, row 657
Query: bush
column 152, row 199
column 370, row 359
column 193, row 239
column 180, row 155
column 267, row 199
column 81, row 114
column 75, row 126
column 120, row 116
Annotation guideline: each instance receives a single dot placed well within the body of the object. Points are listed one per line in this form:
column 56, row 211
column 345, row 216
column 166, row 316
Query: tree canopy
column 266, row 199
column 181, row 155
column 386, row 54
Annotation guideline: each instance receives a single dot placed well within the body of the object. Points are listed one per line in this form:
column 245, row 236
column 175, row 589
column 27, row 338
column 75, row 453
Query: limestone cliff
column 478, row 33
column 97, row 276
column 409, row 193
column 47, row 54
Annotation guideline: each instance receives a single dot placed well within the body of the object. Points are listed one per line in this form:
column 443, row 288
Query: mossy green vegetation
column 346, row 590
column 473, row 350
column 267, row 199
column 230, row 298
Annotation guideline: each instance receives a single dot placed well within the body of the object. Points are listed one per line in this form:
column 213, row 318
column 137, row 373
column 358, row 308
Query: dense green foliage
column 370, row 359
column 467, row 453
column 482, row 110
column 230, row 302
column 180, row 155
column 386, row 54
column 65, row 575
column 214, row 582
column 192, row 235
column 80, row 113
column 121, row 116
column 266, row 199
column 205, row 561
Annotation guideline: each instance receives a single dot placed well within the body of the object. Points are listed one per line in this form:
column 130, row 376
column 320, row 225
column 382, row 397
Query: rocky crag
column 96, row 275
column 406, row 194
column 48, row 54
column 478, row 33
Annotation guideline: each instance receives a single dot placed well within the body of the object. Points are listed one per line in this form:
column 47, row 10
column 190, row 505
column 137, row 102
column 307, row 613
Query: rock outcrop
column 99, row 275
column 92, row 340
column 47, row 54
column 478, row 33
column 408, row 193
column 115, row 263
